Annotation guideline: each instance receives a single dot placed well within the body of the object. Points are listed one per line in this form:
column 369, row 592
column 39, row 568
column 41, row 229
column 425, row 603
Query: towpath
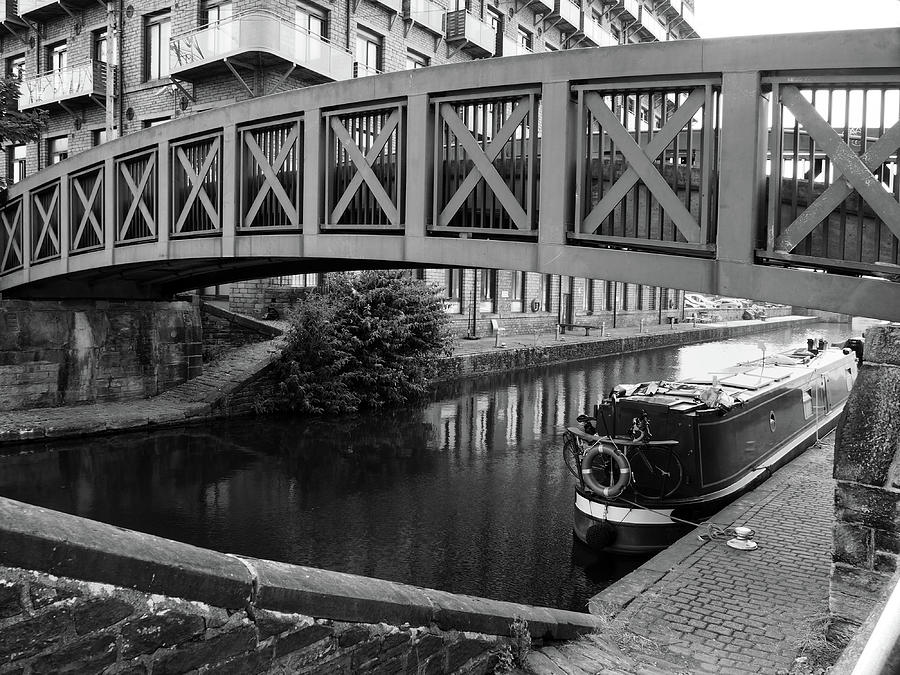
column 704, row 607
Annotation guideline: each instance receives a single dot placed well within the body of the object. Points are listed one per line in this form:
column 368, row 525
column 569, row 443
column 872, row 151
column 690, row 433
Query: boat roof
column 742, row 382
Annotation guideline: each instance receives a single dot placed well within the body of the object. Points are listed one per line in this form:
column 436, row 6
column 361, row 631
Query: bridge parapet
column 643, row 163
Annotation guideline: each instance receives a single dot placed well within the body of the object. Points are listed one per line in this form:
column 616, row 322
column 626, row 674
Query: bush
column 365, row 341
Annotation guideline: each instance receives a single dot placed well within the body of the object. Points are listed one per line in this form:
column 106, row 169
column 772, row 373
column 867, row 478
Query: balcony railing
column 687, row 11
column 68, row 83
column 461, row 25
column 542, row 6
column 512, row 47
column 42, row 8
column 9, row 11
column 569, row 12
column 427, row 14
column 259, row 31
column 362, row 70
column 597, row 34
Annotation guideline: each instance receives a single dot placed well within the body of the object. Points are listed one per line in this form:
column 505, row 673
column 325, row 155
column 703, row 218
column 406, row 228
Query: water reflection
column 468, row 495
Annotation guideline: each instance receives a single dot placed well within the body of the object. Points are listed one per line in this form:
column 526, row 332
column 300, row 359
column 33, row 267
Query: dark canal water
column 469, row 495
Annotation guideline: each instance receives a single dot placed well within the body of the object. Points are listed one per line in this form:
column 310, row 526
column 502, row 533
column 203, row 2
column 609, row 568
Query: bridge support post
column 231, row 191
column 558, row 162
column 64, row 226
column 742, row 179
column 109, row 208
column 313, row 169
column 419, row 171
column 163, row 215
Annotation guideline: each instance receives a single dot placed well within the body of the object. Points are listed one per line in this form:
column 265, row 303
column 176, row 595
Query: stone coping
column 57, row 543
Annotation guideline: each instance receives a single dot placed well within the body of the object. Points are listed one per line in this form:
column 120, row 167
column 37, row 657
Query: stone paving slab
column 722, row 610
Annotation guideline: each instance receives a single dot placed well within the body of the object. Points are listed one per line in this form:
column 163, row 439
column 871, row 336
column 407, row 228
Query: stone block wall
column 224, row 330
column 67, row 352
column 55, row 624
column 80, row 596
column 867, row 490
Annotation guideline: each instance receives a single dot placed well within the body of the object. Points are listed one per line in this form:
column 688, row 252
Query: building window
column 415, row 60
column 610, row 297
column 156, row 121
column 640, row 297
column 368, row 53
column 157, row 31
column 589, row 296
column 57, row 56
column 101, row 46
column 57, row 149
column 312, row 19
column 214, row 12
column 488, row 284
column 15, row 67
column 98, row 137
column 301, row 280
column 526, row 39
column 453, row 284
column 17, row 162
column 548, row 291
column 517, row 291
column 616, row 33
column 495, row 21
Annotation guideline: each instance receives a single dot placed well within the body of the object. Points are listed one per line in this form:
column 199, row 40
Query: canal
column 469, row 495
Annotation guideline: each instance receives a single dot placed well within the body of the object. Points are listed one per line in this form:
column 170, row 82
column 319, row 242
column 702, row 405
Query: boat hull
column 634, row 525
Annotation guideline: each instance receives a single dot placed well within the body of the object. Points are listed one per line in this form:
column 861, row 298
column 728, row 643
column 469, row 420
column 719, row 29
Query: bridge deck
column 761, row 167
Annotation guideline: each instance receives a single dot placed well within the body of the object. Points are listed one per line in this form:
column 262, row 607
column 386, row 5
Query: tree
column 17, row 126
column 366, row 341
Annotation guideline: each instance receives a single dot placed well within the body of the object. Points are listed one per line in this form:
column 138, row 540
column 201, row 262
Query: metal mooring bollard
column 642, row 326
column 602, row 328
column 672, row 322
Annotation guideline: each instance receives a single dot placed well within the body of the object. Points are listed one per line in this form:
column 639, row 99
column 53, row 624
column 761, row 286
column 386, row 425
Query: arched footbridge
column 761, row 167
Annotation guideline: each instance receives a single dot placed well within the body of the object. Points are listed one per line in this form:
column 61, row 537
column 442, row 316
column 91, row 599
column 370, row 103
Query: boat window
column 807, row 403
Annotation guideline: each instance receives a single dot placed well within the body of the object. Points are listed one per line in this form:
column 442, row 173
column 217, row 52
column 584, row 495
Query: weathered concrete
column 867, row 492
column 72, row 352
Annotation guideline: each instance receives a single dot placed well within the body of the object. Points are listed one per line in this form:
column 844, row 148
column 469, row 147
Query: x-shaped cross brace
column 12, row 243
column 364, row 170
column 137, row 197
column 197, row 190
column 88, row 203
column 855, row 173
column 270, row 172
column 46, row 216
column 483, row 165
column 640, row 164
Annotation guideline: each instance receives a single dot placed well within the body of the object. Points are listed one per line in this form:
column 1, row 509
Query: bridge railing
column 667, row 149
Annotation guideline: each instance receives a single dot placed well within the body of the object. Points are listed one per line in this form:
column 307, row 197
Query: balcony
column 656, row 29
column 597, row 34
column 541, row 6
column 396, row 6
column 512, row 47
column 362, row 70
column 196, row 54
column 633, row 7
column 479, row 38
column 69, row 85
column 427, row 14
column 40, row 10
column 9, row 13
column 569, row 12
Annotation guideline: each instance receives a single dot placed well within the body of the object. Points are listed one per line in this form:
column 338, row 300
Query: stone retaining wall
column 80, row 596
column 224, row 330
column 867, row 491
column 66, row 352
column 501, row 360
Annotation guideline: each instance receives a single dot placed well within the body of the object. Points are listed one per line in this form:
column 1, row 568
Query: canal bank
column 232, row 383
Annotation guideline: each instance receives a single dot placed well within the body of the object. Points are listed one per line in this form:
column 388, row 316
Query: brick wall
column 867, row 490
column 56, row 353
column 224, row 331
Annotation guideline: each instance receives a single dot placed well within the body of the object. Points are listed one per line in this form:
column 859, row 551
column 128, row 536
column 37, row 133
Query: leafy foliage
column 365, row 341
column 18, row 126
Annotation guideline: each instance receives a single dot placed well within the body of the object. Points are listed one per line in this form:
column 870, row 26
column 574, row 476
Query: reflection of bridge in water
column 643, row 163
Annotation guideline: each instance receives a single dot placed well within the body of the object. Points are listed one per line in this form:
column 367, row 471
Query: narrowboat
column 656, row 456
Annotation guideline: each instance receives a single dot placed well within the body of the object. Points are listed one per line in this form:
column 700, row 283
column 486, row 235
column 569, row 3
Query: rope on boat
column 713, row 530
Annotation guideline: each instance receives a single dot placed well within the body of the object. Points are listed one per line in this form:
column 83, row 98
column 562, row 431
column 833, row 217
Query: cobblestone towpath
column 704, row 607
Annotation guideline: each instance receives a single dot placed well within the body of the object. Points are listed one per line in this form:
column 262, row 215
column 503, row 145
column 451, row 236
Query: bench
column 587, row 328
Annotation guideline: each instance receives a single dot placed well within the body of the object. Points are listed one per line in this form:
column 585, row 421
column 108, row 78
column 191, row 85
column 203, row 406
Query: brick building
column 105, row 69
